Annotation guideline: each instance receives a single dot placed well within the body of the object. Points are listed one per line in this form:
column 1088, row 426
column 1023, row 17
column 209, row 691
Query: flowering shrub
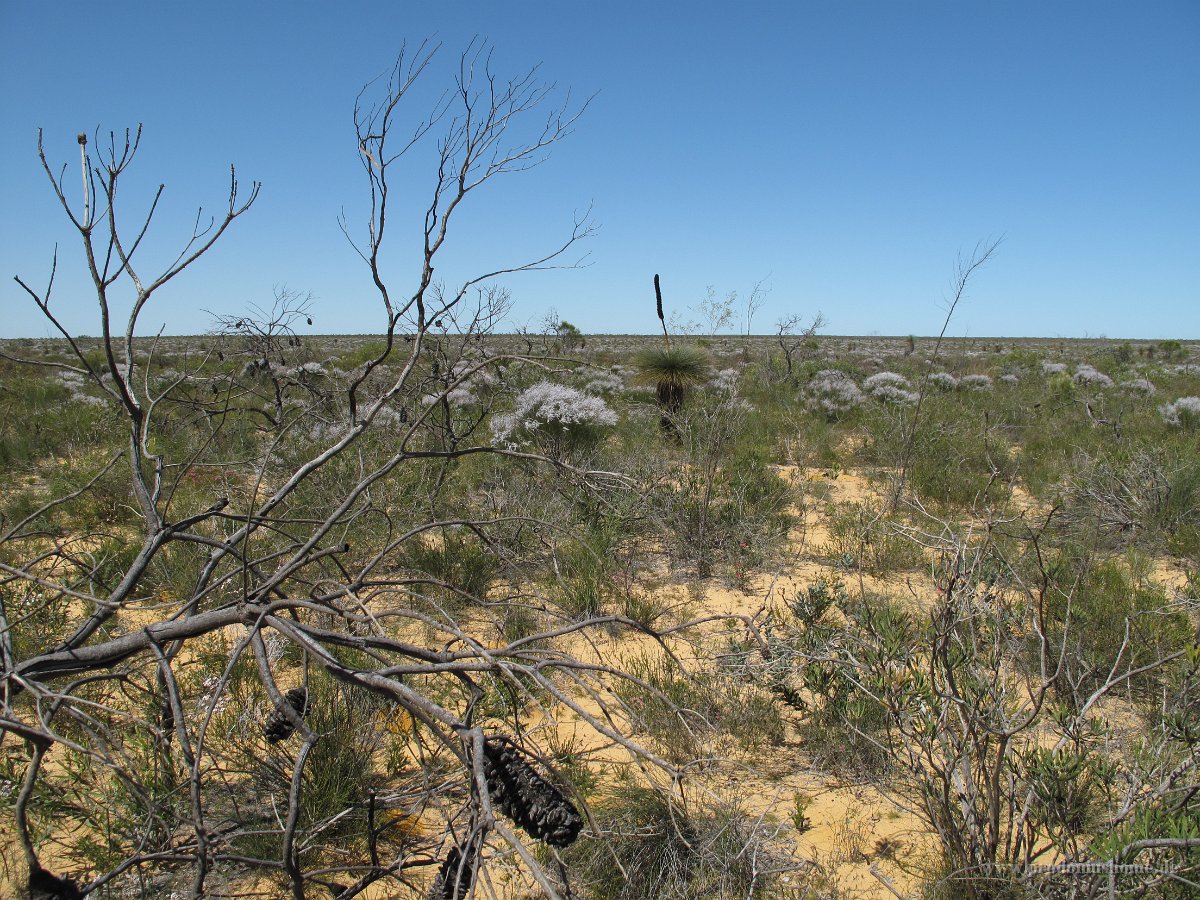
column 75, row 382
column 834, row 393
column 1142, row 386
column 976, row 382
column 307, row 370
column 890, row 387
column 1053, row 368
column 554, row 413
column 473, row 388
column 893, row 378
column 605, row 383
column 1009, row 378
column 1089, row 375
column 1183, row 413
column 725, row 381
column 943, row 381
column 457, row 396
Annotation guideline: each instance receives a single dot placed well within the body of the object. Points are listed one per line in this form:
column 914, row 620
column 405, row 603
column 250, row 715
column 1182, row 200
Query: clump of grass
column 652, row 845
column 1141, row 500
column 338, row 776
column 584, row 577
column 463, row 567
column 862, row 539
column 685, row 712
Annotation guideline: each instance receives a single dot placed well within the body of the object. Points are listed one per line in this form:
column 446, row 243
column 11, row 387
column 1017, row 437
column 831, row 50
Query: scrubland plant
column 1149, row 499
column 957, row 457
column 275, row 369
column 1017, row 785
column 796, row 344
column 943, row 381
column 653, row 845
column 834, row 393
column 1089, row 376
column 723, row 508
column 672, row 371
column 553, row 418
column 1143, row 386
column 1111, row 623
column 265, row 628
column 689, row 712
column 889, row 387
column 605, row 383
column 861, row 538
column 1182, row 413
column 976, row 382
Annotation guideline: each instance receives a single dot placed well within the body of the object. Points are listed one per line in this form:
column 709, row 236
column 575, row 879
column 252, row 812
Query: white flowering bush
column 1183, row 413
column 75, row 382
column 725, row 381
column 550, row 416
column 890, row 387
column 1053, row 368
column 468, row 386
column 943, row 381
column 1009, row 378
column 606, row 383
column 1143, row 386
column 1090, row 376
column 307, row 370
column 834, row 393
column 461, row 395
column 894, row 379
column 976, row 382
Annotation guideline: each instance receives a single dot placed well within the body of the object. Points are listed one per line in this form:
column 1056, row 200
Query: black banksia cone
column 455, row 875
column 279, row 727
column 527, row 798
column 45, row 885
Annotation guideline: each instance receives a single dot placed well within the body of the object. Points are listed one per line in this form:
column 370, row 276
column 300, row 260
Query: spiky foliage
column 671, row 371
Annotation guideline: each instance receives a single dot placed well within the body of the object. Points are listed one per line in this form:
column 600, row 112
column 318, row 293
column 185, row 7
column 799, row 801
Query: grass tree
column 671, row 371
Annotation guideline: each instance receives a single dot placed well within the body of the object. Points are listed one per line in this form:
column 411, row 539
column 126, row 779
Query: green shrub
column 338, row 776
column 861, row 538
column 653, row 846
column 1109, row 620
column 1148, row 499
column 456, row 559
column 685, row 712
column 585, row 577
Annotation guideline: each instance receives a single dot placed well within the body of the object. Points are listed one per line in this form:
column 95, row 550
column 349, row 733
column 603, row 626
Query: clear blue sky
column 844, row 151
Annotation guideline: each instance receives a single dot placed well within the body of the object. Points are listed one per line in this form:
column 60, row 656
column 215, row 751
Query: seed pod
column 455, row 875
column 279, row 727
column 45, row 885
column 533, row 803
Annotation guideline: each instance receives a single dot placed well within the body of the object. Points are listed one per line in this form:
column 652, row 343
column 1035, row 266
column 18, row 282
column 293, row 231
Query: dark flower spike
column 45, row 885
column 533, row 803
column 279, row 727
column 456, row 873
